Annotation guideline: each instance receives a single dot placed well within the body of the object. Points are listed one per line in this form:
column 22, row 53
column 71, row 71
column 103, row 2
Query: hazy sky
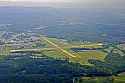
column 112, row 3
column 38, row 0
column 44, row 0
column 67, row 0
column 48, row 0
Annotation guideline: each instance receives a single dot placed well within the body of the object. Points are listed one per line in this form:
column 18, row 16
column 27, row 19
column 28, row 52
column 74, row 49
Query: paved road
column 37, row 50
column 53, row 44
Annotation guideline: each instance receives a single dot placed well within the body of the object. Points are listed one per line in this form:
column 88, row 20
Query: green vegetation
column 81, row 57
column 96, row 80
column 4, row 51
column 85, row 56
column 119, row 79
column 110, row 79
column 54, row 54
column 109, row 60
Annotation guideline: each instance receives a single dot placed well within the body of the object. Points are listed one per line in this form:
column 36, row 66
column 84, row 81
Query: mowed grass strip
column 85, row 56
column 119, row 79
column 56, row 54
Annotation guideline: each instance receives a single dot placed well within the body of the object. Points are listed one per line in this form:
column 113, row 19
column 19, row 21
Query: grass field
column 111, row 79
column 61, row 50
column 54, row 54
column 4, row 51
column 119, row 79
column 85, row 56
column 81, row 57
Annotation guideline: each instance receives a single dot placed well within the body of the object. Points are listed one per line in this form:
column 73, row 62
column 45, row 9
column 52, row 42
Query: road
column 32, row 50
column 62, row 49
column 56, row 46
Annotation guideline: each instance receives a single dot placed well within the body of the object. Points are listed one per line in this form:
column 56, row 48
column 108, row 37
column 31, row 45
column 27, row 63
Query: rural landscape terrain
column 62, row 45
